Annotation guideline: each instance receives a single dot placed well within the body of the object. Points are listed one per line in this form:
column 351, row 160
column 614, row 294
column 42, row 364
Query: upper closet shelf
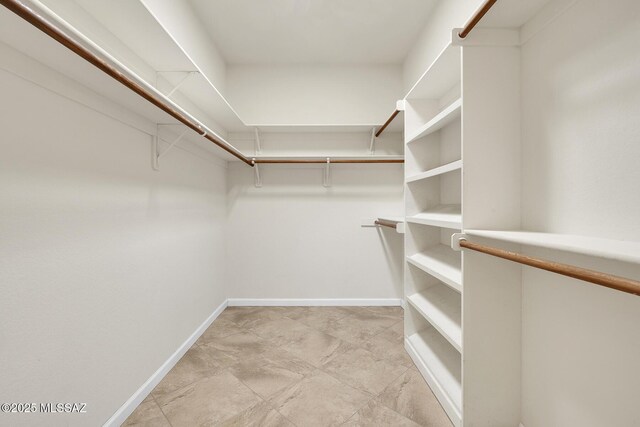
column 619, row 250
column 446, row 116
column 449, row 167
column 448, row 216
column 441, row 76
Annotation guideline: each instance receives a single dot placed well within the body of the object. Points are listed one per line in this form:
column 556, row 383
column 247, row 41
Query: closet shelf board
column 449, row 216
column 619, row 250
column 441, row 262
column 440, row 364
column 442, row 307
column 440, row 170
column 443, row 118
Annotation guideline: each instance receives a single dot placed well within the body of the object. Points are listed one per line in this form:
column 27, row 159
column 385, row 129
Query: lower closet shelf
column 441, row 262
column 440, row 364
column 441, row 307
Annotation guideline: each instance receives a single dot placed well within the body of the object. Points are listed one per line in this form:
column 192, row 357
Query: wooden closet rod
column 607, row 280
column 385, row 223
column 40, row 23
column 324, row 161
column 476, row 18
column 389, row 120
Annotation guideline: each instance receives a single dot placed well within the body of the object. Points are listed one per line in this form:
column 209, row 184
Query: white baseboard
column 130, row 405
column 310, row 302
column 269, row 302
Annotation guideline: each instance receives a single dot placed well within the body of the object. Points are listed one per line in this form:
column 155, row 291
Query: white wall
column 314, row 94
column 581, row 103
column 106, row 267
column 293, row 238
column 446, row 15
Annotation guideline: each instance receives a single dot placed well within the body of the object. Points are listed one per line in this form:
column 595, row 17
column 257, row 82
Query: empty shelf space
column 440, row 364
column 449, row 216
column 443, row 118
column 441, row 306
column 620, row 250
column 441, row 262
column 450, row 167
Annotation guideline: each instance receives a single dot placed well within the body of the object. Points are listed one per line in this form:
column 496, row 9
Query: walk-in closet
column 319, row 213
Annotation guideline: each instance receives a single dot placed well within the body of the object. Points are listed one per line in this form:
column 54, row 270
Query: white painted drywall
column 293, row 238
column 106, row 267
column 581, row 103
column 314, row 94
column 445, row 15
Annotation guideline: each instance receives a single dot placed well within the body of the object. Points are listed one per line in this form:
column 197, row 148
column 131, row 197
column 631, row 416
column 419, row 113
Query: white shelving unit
column 439, row 363
column 433, row 204
column 442, row 263
column 441, row 307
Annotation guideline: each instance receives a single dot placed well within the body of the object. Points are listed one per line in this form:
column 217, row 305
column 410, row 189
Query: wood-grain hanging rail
column 386, row 223
column 476, row 18
column 603, row 279
column 149, row 93
column 387, row 123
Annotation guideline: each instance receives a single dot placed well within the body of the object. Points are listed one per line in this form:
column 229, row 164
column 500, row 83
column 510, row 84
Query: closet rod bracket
column 257, row 144
column 326, row 182
column 257, row 179
column 455, row 241
column 372, row 145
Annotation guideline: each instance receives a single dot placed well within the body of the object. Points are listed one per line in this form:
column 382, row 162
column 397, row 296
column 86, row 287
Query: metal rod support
column 607, row 280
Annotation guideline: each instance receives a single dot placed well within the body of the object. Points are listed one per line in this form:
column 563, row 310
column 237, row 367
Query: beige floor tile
column 374, row 414
column 258, row 415
column 270, row 372
column 410, row 396
column 207, row 402
column 396, row 312
column 319, row 400
column 385, row 349
column 317, row 348
column 232, row 349
column 247, row 317
column 280, row 331
column 357, row 328
column 220, row 328
column 394, row 333
column 195, row 365
column 359, row 368
column 320, row 317
column 148, row 414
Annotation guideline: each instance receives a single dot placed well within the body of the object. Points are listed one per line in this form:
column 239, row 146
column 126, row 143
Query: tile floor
column 295, row 366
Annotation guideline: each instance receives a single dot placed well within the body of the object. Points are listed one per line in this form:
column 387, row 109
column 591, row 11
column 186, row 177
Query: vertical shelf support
column 326, row 182
column 372, row 146
column 257, row 179
column 157, row 154
column 257, row 146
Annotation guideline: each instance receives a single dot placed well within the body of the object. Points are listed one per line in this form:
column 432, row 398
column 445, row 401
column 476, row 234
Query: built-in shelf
column 449, row 216
column 441, row 306
column 440, row 170
column 619, row 250
column 443, row 118
column 440, row 364
column 441, row 262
